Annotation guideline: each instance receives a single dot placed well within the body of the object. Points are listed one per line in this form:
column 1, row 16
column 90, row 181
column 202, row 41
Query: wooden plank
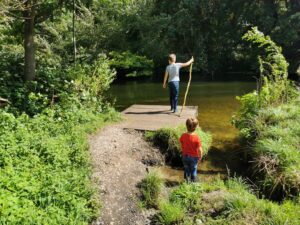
column 153, row 117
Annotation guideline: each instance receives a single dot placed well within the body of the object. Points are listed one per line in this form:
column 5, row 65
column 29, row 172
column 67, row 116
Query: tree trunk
column 29, row 46
column 74, row 30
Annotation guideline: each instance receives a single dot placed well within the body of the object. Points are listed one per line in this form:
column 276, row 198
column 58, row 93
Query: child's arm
column 188, row 62
column 201, row 152
column 165, row 79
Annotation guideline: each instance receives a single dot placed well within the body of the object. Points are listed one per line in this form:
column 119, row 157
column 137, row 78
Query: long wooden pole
column 187, row 88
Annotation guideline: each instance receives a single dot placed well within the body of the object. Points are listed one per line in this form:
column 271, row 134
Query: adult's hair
column 191, row 124
column 172, row 58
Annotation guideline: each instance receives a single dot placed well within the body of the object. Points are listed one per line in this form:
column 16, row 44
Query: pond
column 216, row 103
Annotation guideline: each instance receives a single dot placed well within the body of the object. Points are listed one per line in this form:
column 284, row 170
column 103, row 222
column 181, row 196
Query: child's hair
column 191, row 124
column 172, row 58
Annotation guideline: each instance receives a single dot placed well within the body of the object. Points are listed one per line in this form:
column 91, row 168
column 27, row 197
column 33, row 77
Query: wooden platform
column 153, row 117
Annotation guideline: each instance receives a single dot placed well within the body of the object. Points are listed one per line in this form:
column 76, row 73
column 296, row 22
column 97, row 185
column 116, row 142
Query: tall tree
column 33, row 12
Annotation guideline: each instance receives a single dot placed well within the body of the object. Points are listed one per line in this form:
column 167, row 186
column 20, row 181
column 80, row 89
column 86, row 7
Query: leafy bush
column 131, row 65
column 87, row 83
column 45, row 167
column 167, row 139
column 90, row 82
column 243, row 119
column 150, row 189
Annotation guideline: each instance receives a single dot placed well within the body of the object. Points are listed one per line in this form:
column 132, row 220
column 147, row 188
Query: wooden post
column 187, row 88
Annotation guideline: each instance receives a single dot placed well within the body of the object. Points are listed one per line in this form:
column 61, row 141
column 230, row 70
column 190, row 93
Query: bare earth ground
column 120, row 159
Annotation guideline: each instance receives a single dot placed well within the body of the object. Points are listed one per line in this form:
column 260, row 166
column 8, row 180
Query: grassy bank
column 269, row 123
column 167, row 139
column 45, row 167
column 275, row 152
column 222, row 202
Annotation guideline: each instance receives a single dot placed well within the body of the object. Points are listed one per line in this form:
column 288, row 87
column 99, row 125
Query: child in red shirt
column 191, row 150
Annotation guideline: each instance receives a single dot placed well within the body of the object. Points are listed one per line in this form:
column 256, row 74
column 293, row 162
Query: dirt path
column 120, row 160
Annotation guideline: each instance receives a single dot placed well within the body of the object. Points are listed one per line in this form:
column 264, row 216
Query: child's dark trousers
column 190, row 168
column 174, row 93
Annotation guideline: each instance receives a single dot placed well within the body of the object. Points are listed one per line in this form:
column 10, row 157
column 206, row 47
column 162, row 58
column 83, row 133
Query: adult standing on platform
column 172, row 75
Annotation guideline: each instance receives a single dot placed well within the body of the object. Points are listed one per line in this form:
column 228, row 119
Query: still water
column 216, row 103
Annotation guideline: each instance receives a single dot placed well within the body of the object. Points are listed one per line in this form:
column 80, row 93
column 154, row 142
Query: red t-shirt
column 190, row 145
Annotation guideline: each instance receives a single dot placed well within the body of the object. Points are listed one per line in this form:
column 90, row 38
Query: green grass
column 224, row 202
column 150, row 188
column 167, row 139
column 45, row 171
column 170, row 213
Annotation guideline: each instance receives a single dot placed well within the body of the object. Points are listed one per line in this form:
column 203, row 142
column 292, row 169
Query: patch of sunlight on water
column 216, row 104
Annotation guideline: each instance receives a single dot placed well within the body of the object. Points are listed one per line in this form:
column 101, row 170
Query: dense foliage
column 44, row 160
column 269, row 121
column 131, row 65
column 86, row 83
column 45, row 167
column 209, row 30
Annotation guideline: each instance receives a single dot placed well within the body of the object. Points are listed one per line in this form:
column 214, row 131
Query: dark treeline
column 212, row 30
column 209, row 30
